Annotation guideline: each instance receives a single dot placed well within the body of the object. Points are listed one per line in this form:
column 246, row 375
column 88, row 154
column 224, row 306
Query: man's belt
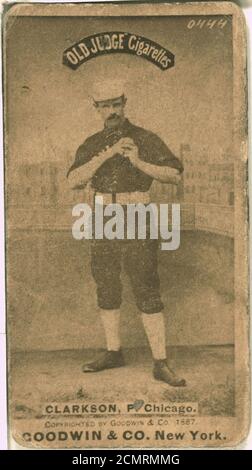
column 135, row 197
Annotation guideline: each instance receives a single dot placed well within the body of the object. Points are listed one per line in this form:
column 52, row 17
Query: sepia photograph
column 126, row 225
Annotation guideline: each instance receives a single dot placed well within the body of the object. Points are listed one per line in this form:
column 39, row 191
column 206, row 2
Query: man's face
column 111, row 111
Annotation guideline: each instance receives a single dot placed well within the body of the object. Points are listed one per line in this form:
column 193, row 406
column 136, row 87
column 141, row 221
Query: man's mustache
column 112, row 116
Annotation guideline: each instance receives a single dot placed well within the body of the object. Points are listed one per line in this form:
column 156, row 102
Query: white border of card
column 235, row 428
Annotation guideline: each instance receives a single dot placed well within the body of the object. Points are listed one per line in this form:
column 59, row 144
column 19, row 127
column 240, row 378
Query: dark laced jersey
column 118, row 174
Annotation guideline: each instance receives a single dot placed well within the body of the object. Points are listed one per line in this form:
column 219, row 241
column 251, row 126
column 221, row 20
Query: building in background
column 203, row 186
column 35, row 184
column 195, row 179
column 204, row 182
column 221, row 184
column 41, row 184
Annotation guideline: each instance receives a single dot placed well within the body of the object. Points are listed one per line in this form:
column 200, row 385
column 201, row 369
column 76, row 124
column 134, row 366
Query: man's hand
column 125, row 147
column 130, row 150
column 122, row 146
column 164, row 174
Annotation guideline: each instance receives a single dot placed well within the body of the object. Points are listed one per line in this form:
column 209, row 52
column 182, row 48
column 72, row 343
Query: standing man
column 121, row 162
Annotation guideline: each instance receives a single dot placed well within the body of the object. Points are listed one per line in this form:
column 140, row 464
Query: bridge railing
column 212, row 218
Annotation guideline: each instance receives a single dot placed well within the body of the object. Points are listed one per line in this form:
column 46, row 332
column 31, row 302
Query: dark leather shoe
column 109, row 360
column 162, row 372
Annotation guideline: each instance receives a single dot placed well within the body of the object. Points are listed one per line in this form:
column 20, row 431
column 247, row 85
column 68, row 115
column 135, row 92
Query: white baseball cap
column 108, row 89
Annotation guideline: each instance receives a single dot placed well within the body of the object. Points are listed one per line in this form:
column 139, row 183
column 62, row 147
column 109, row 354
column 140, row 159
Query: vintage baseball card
column 126, row 205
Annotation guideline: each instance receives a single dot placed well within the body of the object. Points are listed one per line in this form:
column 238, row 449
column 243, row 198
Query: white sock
column 111, row 321
column 155, row 330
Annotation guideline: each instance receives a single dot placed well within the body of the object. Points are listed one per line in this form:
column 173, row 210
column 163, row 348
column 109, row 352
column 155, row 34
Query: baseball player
column 121, row 161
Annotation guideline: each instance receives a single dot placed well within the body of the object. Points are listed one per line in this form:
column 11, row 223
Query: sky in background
column 49, row 112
